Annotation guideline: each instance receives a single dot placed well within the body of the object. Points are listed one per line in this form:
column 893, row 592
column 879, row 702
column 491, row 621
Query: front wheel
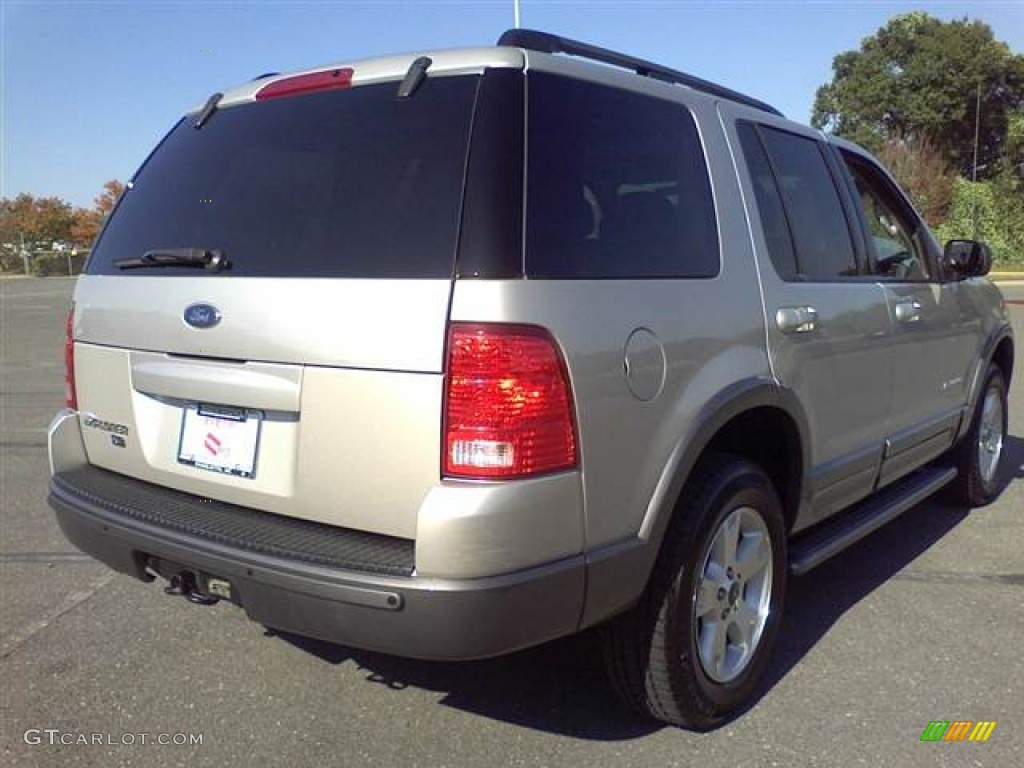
column 978, row 455
column 695, row 647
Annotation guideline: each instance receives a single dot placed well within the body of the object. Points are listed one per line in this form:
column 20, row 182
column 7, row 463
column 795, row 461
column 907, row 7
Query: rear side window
column 769, row 202
column 344, row 183
column 617, row 185
column 819, row 228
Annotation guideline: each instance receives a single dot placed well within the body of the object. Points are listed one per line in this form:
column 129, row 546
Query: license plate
column 220, row 439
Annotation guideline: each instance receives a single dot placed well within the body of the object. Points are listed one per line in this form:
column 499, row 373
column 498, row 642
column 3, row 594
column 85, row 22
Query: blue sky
column 89, row 87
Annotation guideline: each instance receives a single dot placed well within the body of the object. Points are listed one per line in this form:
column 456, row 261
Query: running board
column 818, row 545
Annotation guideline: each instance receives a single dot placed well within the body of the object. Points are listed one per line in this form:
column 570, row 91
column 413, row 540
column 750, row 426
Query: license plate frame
column 220, row 439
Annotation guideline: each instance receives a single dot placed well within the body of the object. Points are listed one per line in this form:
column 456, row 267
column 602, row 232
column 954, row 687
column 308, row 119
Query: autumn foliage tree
column 86, row 223
column 924, row 173
column 34, row 220
column 36, row 223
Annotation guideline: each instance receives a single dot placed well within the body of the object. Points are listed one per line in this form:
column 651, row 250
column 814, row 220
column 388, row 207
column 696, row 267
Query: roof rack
column 545, row 42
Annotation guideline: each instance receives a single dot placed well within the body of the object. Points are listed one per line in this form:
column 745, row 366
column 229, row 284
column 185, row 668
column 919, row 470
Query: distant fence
column 48, row 263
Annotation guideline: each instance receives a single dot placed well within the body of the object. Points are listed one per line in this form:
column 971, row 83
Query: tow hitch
column 185, row 583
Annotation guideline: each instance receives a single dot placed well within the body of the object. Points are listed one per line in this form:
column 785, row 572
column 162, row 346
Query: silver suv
column 448, row 355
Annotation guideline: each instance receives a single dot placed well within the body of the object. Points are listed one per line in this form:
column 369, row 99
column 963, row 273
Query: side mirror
column 966, row 258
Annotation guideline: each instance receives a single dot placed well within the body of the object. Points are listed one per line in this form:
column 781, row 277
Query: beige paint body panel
column 469, row 529
column 358, row 450
column 625, row 442
column 382, row 324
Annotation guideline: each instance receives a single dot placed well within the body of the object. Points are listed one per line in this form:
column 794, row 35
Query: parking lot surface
column 921, row 621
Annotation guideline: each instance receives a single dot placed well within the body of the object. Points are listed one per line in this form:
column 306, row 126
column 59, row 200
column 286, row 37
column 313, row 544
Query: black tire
column 651, row 651
column 974, row 487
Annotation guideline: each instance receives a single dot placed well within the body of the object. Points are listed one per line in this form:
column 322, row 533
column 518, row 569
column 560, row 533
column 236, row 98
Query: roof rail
column 547, row 43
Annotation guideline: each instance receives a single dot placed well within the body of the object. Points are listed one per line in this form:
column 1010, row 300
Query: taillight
column 70, row 393
column 314, row 81
column 508, row 403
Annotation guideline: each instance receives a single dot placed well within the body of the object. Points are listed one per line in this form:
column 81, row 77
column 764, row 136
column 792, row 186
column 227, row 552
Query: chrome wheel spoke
column 707, row 598
column 718, row 644
column 746, row 622
column 754, row 555
column 726, row 541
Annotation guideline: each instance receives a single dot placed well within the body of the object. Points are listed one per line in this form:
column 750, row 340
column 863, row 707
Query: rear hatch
column 305, row 377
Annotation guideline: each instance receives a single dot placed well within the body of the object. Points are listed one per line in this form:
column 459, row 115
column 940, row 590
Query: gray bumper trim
column 430, row 619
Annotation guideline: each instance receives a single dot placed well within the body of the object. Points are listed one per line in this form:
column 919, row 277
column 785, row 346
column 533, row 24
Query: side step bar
column 820, row 543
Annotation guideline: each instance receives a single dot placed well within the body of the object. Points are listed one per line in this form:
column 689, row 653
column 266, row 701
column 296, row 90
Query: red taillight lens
column 314, row 81
column 70, row 393
column 508, row 403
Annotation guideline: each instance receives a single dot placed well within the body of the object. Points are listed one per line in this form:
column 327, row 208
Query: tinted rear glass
column 617, row 185
column 350, row 183
column 824, row 249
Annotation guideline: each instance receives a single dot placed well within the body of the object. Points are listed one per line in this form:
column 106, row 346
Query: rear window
column 617, row 185
column 350, row 183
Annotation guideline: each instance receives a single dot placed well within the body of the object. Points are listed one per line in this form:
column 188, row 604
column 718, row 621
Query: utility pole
column 515, row 4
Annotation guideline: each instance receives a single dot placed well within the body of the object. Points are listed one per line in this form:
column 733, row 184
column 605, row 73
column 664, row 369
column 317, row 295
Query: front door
column 935, row 336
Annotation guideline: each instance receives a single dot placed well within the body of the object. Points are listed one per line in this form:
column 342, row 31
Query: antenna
column 515, row 4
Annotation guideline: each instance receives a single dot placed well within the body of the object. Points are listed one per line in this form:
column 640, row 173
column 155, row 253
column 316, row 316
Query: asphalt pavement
column 921, row 621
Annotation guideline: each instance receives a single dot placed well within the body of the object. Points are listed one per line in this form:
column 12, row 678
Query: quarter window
column 820, row 232
column 769, row 203
column 617, row 185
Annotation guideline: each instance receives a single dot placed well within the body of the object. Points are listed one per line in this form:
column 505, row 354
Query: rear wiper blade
column 212, row 260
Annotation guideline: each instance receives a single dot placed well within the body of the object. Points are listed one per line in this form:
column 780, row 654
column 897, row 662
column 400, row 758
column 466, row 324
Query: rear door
column 829, row 333
column 306, row 377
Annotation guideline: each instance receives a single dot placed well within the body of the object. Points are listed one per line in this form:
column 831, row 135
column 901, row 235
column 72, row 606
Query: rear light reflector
column 70, row 392
column 314, row 81
column 508, row 403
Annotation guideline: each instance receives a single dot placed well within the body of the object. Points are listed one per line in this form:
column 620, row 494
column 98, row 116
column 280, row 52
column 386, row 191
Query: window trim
column 854, row 233
column 892, row 196
column 686, row 111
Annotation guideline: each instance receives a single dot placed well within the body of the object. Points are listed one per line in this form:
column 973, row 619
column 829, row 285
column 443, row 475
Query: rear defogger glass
column 347, row 183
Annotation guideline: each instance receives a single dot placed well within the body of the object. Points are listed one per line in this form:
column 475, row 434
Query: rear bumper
column 288, row 588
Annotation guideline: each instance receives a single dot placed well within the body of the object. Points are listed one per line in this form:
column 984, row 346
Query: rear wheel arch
column 752, row 420
column 742, row 421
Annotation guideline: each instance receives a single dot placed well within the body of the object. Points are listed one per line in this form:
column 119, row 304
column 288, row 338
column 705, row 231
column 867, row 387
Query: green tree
column 990, row 211
column 919, row 77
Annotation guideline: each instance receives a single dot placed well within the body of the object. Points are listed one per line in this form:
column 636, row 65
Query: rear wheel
column 978, row 455
column 693, row 650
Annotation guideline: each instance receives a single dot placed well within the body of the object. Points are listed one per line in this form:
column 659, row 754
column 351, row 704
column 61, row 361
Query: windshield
column 347, row 183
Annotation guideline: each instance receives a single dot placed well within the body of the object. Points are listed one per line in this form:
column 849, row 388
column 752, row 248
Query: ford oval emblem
column 202, row 315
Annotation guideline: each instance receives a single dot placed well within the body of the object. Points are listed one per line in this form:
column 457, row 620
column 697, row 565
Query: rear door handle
column 908, row 311
column 796, row 319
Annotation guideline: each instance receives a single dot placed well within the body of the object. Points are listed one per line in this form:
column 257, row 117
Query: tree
column 923, row 172
column 918, row 78
column 87, row 223
column 35, row 221
column 112, row 191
